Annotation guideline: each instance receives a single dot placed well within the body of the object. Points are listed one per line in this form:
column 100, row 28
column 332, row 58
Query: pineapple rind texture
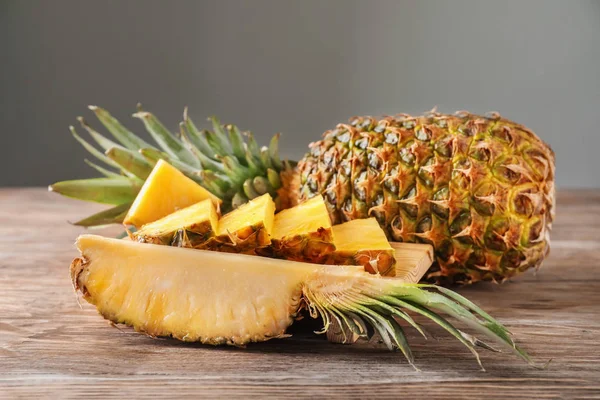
column 222, row 298
column 479, row 189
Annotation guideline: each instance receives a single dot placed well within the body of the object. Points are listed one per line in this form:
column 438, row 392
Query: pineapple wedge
column 188, row 227
column 363, row 242
column 246, row 228
column 303, row 232
column 224, row 298
column 165, row 191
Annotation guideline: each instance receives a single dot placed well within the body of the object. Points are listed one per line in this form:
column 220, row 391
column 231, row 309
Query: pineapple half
column 223, row 298
column 188, row 227
column 363, row 242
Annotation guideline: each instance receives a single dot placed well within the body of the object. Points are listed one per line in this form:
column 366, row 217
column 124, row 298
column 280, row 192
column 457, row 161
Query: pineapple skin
column 193, row 236
column 374, row 261
column 245, row 240
column 314, row 247
column 480, row 189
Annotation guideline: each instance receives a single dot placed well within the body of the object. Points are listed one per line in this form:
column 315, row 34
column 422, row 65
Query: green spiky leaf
column 238, row 199
column 234, row 170
column 213, row 183
column 206, row 162
column 218, row 139
column 266, row 158
column 153, row 155
column 237, row 142
column 221, row 161
column 274, row 179
column 167, row 141
column 197, row 138
column 114, row 215
column 130, row 161
column 377, row 304
column 114, row 191
column 92, row 150
column 262, row 185
column 254, row 167
column 101, row 140
column 122, row 134
column 274, row 152
column 107, row 173
column 249, row 189
column 253, row 147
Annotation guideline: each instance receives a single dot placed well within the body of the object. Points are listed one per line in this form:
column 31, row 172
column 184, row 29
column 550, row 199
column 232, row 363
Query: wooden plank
column 52, row 348
column 412, row 260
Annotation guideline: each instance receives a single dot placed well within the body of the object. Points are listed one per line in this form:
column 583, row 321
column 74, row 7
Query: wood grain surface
column 52, row 348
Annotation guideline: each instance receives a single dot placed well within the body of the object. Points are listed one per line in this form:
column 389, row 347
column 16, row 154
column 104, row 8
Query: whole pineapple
column 479, row 189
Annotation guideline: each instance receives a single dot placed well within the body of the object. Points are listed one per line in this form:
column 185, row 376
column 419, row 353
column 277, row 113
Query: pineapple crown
column 226, row 161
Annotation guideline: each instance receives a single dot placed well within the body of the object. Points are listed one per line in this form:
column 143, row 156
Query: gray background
column 294, row 67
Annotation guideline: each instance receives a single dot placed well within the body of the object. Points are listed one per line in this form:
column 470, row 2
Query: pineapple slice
column 363, row 242
column 303, row 232
column 188, row 227
column 221, row 298
column 165, row 191
column 246, row 228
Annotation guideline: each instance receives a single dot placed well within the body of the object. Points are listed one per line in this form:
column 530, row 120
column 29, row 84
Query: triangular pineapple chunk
column 165, row 191
column 363, row 242
column 246, row 227
column 303, row 232
column 188, row 227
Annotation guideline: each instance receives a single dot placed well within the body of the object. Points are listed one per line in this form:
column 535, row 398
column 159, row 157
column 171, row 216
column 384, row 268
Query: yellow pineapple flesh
column 246, row 228
column 363, row 242
column 222, row 298
column 303, row 232
column 188, row 227
column 165, row 191
column 192, row 295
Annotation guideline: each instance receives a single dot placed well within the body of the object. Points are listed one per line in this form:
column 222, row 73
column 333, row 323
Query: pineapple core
column 310, row 216
column 254, row 216
column 165, row 191
column 363, row 242
column 187, row 227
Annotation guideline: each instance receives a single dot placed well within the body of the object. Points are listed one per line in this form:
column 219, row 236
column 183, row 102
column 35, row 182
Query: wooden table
column 50, row 347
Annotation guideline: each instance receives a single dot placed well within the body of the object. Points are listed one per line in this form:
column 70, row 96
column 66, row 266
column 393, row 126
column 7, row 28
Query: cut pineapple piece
column 303, row 232
column 165, row 191
column 363, row 242
column 218, row 298
column 245, row 228
column 188, row 227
